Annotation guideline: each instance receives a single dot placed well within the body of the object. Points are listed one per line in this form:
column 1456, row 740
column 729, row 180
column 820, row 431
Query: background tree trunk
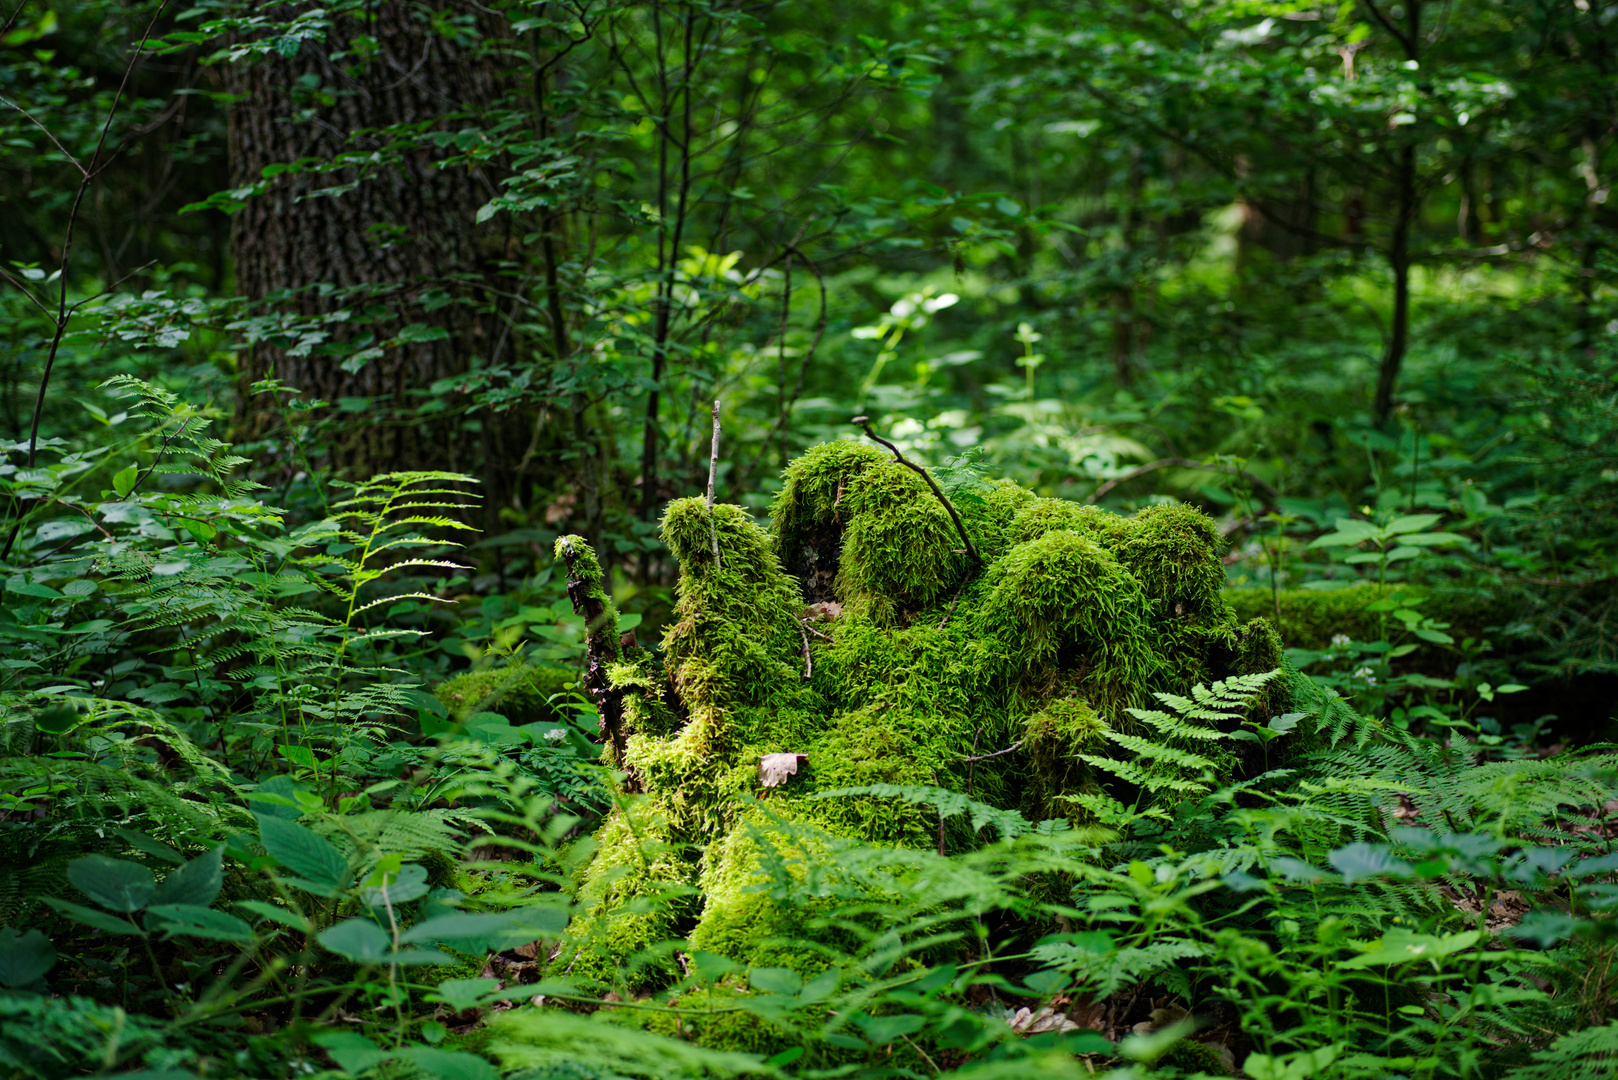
column 406, row 227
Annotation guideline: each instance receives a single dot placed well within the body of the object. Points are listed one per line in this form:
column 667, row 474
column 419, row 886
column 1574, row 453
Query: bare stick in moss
column 998, row 753
column 713, row 471
column 971, row 551
column 808, row 664
column 951, row 609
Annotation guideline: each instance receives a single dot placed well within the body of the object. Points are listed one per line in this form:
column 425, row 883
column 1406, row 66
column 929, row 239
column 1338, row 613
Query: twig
column 998, row 753
column 825, row 637
column 808, row 663
column 971, row 551
column 713, row 469
column 952, row 602
column 1179, row 463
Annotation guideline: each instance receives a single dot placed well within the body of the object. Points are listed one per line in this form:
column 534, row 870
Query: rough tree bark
column 408, row 228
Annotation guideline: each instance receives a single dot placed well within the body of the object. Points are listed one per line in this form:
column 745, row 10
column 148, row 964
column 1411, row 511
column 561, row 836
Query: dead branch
column 960, row 527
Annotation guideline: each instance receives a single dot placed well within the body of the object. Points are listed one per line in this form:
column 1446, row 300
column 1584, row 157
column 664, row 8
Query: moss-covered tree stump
column 857, row 633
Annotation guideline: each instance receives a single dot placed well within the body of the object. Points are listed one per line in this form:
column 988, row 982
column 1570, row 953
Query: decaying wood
column 601, row 647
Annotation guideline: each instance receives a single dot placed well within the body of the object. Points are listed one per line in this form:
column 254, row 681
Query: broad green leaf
column 266, row 910
column 197, row 882
column 352, row 1052
column 303, row 852
column 59, row 720
column 463, row 994
column 881, row 1030
column 775, row 980
column 359, row 940
column 115, row 884
column 469, row 932
column 1433, row 539
column 124, row 481
column 151, row 846
column 820, row 986
column 1285, row 722
column 24, row 957
column 449, row 1064
column 1411, row 523
column 407, row 883
column 1400, row 946
column 100, row 920
column 192, row 920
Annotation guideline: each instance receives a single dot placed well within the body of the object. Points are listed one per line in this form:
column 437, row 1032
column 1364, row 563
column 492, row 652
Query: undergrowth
column 869, row 810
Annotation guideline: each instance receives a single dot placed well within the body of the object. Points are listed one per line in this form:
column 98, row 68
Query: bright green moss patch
column 519, row 692
column 858, row 638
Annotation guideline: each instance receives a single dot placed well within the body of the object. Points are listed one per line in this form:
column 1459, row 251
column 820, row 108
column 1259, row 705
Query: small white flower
column 556, row 735
column 1340, row 641
column 1368, row 674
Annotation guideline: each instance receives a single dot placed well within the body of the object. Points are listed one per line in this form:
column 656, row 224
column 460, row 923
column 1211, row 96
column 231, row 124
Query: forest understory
column 684, row 539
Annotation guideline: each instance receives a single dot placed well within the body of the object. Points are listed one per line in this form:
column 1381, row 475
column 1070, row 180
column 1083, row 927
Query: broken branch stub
column 602, row 643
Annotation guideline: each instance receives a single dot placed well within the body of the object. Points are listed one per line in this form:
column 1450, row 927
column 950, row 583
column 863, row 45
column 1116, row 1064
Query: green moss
column 736, row 642
column 813, row 489
column 589, row 583
column 1193, row 1057
column 1174, row 552
column 1075, row 615
column 700, row 1018
column 1037, row 517
column 643, row 683
column 901, row 550
column 744, row 923
column 1053, row 739
column 1063, row 603
column 631, row 895
column 519, row 692
column 1309, row 619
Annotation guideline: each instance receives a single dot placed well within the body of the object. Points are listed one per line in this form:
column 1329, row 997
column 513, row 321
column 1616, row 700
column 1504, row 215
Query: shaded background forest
column 1289, row 263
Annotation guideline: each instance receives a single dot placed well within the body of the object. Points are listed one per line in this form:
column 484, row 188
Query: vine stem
column 971, row 550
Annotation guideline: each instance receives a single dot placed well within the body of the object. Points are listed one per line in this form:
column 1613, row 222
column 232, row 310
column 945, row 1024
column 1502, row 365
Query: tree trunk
column 404, row 229
column 1399, row 262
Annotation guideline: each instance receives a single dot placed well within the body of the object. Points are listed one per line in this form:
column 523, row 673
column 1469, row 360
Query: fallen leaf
column 773, row 769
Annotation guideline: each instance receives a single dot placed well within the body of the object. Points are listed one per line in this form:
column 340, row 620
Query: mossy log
column 856, row 632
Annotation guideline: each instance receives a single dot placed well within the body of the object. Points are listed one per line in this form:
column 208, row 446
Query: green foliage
column 1078, row 800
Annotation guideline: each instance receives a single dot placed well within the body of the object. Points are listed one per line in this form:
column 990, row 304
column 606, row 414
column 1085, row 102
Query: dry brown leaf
column 774, row 769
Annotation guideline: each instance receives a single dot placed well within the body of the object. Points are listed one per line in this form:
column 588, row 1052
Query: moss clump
column 917, row 669
column 1310, row 619
column 632, row 895
column 519, row 692
column 1064, row 603
column 1037, row 517
column 1053, row 740
column 1174, row 551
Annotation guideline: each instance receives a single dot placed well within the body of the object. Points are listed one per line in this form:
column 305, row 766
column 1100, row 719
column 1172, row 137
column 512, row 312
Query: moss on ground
column 858, row 633
column 519, row 692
